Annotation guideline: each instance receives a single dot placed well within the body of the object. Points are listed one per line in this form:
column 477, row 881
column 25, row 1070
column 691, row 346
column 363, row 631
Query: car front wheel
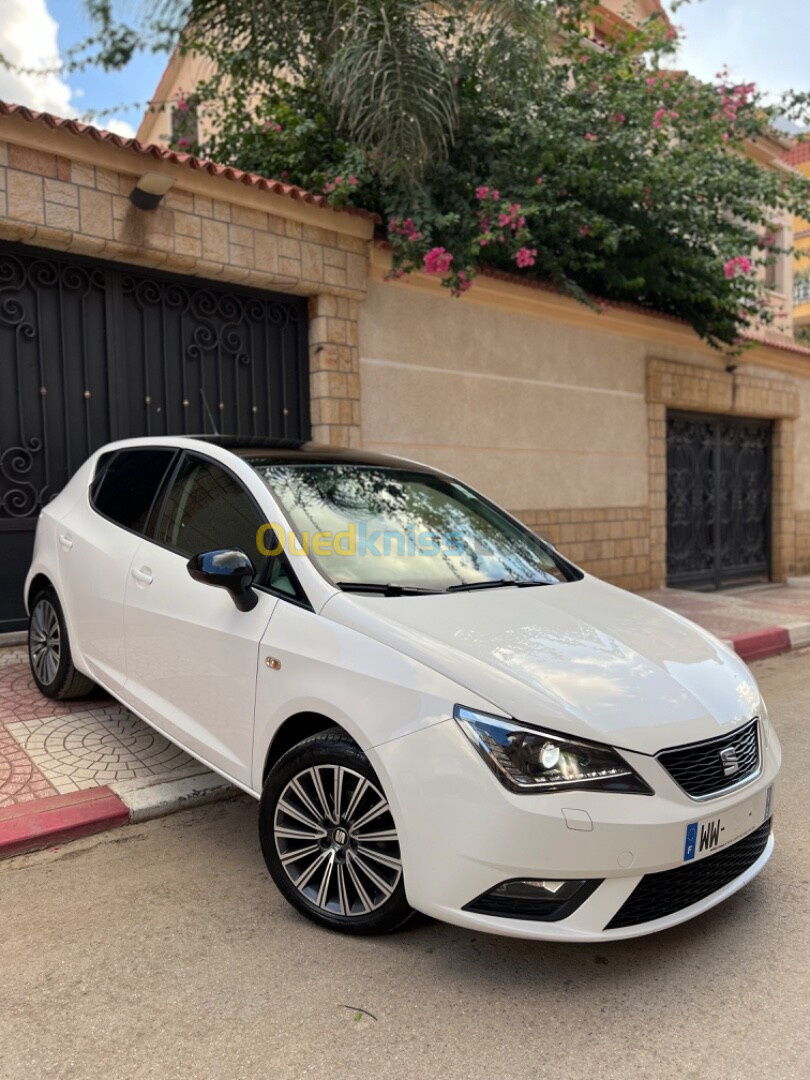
column 329, row 839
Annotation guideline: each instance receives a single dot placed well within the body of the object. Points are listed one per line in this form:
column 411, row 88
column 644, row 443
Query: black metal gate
column 718, row 500
column 91, row 352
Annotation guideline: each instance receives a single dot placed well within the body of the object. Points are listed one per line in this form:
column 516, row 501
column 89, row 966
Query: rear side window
column 125, row 490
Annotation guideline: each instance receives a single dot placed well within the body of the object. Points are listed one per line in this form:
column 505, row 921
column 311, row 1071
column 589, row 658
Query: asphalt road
column 164, row 951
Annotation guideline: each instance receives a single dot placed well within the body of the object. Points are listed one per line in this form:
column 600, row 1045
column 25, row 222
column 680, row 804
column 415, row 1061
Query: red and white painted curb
column 770, row 640
column 30, row 826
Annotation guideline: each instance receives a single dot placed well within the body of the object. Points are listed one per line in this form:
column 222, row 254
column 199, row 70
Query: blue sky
column 766, row 41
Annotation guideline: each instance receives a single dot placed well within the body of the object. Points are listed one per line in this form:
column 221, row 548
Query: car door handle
column 142, row 576
column 66, row 540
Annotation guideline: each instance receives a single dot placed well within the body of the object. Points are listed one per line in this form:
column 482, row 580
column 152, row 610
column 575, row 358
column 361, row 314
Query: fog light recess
column 542, row 900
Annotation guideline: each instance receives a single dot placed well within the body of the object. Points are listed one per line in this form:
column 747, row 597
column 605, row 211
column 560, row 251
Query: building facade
column 799, row 158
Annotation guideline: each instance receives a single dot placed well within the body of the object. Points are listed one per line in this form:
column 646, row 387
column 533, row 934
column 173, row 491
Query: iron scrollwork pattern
column 208, row 361
column 718, row 500
column 51, row 317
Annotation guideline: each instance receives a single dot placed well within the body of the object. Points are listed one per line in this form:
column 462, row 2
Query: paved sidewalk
column 759, row 620
column 57, row 748
column 69, row 769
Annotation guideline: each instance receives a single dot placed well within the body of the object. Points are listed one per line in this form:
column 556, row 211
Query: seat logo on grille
column 728, row 756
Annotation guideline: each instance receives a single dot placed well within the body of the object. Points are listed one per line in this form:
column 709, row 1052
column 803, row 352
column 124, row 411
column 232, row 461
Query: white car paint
column 582, row 658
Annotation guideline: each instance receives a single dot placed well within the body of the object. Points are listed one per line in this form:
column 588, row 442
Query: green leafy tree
column 597, row 169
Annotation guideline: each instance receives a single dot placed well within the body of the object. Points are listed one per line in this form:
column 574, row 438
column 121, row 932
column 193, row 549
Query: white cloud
column 28, row 39
column 117, row 127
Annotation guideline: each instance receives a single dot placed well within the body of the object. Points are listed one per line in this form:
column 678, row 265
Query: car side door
column 191, row 655
column 96, row 542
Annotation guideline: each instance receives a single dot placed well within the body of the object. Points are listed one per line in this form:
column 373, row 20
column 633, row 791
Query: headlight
column 528, row 759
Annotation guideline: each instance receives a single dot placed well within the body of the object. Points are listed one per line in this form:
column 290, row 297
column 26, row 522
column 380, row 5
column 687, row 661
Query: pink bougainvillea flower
column 526, row 256
column 481, row 192
column 182, row 143
column 584, row 230
column 739, row 264
column 437, row 261
column 353, row 181
column 590, row 137
column 463, row 283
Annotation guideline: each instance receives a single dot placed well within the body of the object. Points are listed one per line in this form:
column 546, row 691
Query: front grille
column 699, row 769
column 658, row 895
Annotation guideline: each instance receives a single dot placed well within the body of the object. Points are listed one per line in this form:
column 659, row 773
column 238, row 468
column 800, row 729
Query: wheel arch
column 38, row 581
column 295, row 729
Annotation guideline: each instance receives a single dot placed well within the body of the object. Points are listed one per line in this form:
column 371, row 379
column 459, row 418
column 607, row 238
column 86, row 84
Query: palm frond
column 391, row 86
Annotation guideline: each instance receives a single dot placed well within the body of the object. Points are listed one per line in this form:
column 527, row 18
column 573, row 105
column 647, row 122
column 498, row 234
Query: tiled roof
column 799, row 154
column 160, row 153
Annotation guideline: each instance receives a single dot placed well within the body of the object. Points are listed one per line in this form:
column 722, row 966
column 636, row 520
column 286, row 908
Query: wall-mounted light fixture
column 150, row 189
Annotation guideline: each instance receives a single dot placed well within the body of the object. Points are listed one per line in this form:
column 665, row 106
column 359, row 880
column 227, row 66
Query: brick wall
column 612, row 543
column 802, row 556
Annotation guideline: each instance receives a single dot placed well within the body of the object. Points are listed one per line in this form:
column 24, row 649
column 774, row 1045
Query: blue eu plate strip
column 691, row 841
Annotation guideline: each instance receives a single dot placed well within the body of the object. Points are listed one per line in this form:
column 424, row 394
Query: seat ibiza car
column 435, row 709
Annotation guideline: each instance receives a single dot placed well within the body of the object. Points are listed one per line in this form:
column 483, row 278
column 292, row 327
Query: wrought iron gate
column 718, row 500
column 91, row 352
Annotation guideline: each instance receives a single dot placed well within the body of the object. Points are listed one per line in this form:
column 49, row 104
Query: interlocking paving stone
column 53, row 747
column 98, row 746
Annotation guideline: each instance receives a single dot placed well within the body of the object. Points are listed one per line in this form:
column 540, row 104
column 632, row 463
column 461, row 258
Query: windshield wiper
column 377, row 588
column 497, row 583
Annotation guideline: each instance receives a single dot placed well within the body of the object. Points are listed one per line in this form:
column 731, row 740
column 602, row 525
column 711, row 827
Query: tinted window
column 128, row 484
column 208, row 509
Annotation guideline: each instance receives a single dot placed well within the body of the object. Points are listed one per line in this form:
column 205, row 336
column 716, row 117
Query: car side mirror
column 230, row 569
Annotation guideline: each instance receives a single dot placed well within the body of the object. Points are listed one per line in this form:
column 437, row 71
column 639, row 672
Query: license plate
column 712, row 833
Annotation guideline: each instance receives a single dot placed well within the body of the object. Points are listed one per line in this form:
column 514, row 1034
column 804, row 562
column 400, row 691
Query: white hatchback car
column 436, row 710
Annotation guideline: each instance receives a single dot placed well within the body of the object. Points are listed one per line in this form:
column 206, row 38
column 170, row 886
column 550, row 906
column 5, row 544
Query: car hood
column 583, row 658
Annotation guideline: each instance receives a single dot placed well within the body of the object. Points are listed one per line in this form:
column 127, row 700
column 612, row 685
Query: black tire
column 333, row 881
column 49, row 651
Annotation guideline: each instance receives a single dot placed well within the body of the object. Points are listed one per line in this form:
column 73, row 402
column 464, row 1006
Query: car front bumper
column 462, row 833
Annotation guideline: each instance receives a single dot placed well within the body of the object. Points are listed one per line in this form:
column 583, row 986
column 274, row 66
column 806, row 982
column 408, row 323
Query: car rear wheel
column 49, row 651
column 329, row 839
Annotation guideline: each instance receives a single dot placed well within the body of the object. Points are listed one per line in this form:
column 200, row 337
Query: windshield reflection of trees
column 471, row 541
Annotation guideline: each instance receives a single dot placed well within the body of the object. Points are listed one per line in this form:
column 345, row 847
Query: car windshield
column 393, row 530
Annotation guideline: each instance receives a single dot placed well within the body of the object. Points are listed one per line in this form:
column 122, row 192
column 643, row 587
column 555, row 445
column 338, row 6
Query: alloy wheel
column 336, row 840
column 45, row 641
